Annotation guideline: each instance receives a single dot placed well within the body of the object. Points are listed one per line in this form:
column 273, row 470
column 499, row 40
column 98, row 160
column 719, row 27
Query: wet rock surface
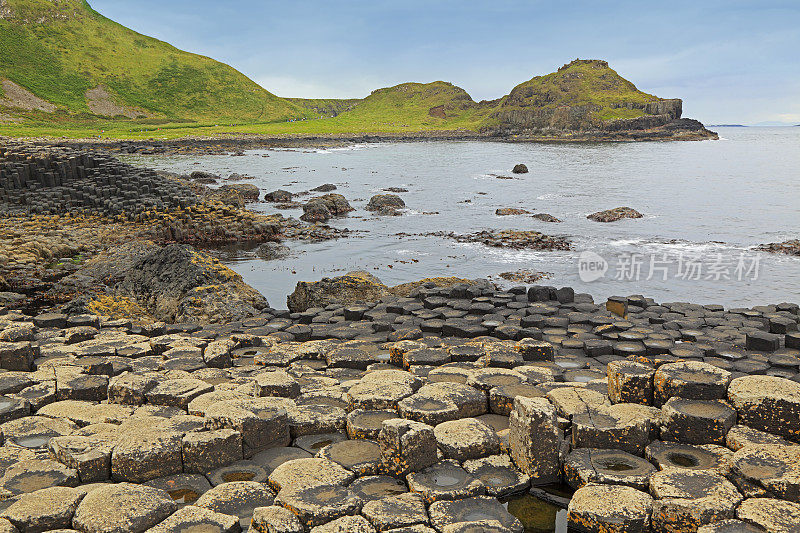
column 367, row 415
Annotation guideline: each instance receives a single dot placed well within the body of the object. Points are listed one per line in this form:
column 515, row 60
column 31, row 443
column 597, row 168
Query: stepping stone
column 362, row 457
column 466, row 439
column 499, row 474
column 345, row 524
column 768, row 404
column 208, row 450
column 122, row 508
column 696, row 421
column 371, row 488
column 740, row 436
column 309, row 472
column 317, row 505
column 31, row 475
column 13, row 408
column 89, row 456
column 272, row 458
column 34, row 432
column 445, row 480
column 177, row 392
column 314, row 419
column 140, row 456
column 275, row 519
column 238, row 471
column 773, row 467
column 182, row 488
column 775, row 516
column 690, row 379
column 535, row 439
column 730, row 526
column 612, row 508
column 686, row 456
column 276, row 383
column 688, row 499
column 535, row 350
column 366, row 424
column 45, row 509
column 610, row 467
column 237, row 498
column 570, row 401
column 762, row 341
column 630, row 382
column 262, row 422
column 314, row 443
column 486, row 379
column 407, row 446
column 501, row 399
column 398, row 511
column 604, row 428
column 130, row 389
column 377, row 395
column 475, row 511
column 191, row 518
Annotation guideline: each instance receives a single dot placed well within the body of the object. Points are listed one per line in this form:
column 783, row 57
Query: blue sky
column 731, row 61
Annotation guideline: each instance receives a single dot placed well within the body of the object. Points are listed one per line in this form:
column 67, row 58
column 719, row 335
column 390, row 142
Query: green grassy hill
column 67, row 70
column 581, row 95
column 61, row 49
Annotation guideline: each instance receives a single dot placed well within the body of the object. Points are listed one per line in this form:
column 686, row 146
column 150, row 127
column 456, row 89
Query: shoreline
column 238, row 141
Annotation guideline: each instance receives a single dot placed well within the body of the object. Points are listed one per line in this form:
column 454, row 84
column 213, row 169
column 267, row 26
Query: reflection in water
column 538, row 516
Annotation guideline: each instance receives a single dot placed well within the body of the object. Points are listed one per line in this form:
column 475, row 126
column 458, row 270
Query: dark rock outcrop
column 174, row 283
column 386, row 204
column 343, row 290
column 520, row 169
column 322, row 208
column 612, row 215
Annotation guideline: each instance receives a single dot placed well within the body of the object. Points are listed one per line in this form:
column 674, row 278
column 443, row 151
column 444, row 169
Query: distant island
column 68, row 71
column 727, row 126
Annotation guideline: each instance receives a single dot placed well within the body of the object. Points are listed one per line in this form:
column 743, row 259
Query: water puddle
column 536, row 515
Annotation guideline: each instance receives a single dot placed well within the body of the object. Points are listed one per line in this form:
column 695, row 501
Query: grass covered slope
column 406, row 107
column 581, row 95
column 60, row 50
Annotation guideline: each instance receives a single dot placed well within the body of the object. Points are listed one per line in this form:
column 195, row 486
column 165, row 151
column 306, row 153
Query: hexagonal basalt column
column 535, row 439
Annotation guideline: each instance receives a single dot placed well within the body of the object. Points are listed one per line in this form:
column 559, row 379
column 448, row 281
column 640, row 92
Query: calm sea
column 705, row 206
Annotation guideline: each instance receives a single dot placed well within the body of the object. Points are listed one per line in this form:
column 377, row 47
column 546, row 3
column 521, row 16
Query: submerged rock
column 612, row 215
column 790, row 247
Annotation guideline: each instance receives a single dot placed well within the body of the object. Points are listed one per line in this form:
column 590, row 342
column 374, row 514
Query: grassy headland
column 67, row 71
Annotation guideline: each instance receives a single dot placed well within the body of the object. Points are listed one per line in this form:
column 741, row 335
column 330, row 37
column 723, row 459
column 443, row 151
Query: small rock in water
column 386, row 204
column 545, row 217
column 327, row 187
column 520, row 169
column 612, row 215
column 505, row 211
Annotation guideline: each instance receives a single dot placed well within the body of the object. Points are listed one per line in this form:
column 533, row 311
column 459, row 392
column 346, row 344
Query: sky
column 732, row 61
